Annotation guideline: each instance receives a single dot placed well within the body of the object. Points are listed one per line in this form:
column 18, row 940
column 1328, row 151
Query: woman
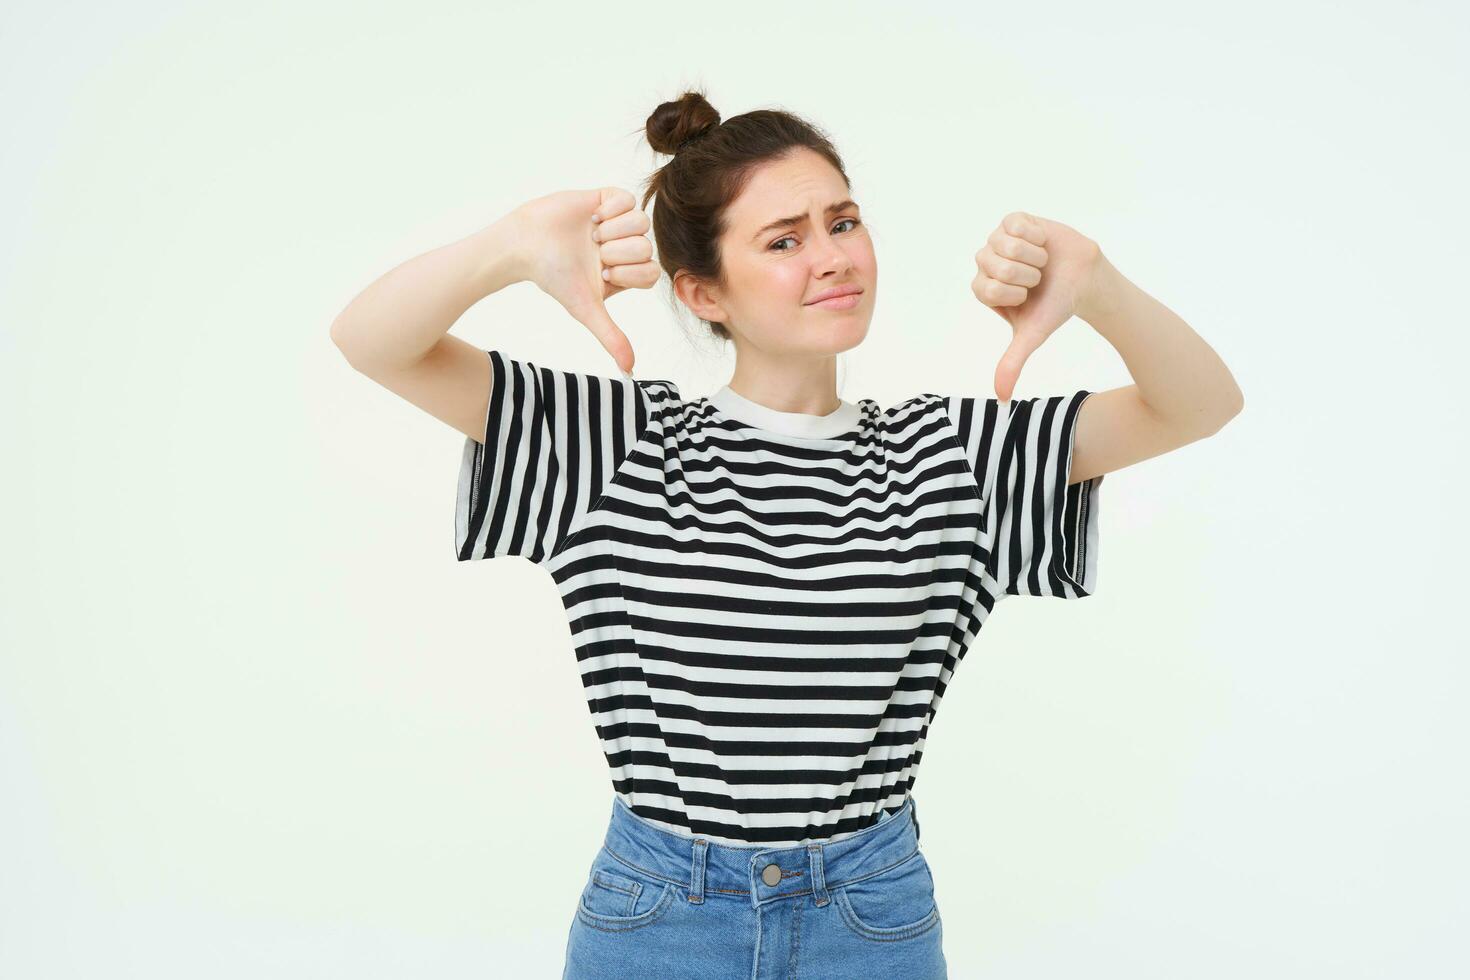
column 770, row 588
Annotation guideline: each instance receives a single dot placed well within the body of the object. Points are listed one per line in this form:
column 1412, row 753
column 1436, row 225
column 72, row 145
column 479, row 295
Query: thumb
column 1011, row 362
column 595, row 318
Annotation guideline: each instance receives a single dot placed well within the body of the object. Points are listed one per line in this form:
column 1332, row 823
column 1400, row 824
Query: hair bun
column 674, row 124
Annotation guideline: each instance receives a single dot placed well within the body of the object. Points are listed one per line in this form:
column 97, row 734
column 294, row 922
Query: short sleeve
column 553, row 442
column 1041, row 532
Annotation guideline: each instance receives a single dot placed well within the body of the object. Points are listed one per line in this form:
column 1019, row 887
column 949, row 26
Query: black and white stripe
column 765, row 622
column 554, row 438
column 1021, row 454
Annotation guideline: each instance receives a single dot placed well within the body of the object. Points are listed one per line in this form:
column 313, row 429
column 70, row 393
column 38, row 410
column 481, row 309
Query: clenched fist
column 1033, row 273
column 584, row 246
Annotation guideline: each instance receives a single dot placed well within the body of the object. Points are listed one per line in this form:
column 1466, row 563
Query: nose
column 831, row 257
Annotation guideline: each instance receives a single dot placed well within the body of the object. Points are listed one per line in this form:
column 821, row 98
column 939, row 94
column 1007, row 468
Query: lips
column 834, row 292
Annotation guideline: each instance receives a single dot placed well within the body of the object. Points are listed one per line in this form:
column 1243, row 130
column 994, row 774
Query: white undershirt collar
column 842, row 419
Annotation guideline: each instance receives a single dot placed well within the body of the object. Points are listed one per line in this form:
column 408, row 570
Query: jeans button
column 772, row 875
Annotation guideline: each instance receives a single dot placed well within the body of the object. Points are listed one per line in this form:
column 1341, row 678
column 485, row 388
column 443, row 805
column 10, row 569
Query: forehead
column 801, row 182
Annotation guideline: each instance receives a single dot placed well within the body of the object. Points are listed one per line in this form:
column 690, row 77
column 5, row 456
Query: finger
column 1011, row 362
column 1009, row 246
column 594, row 317
column 625, row 225
column 622, row 251
column 612, row 201
column 993, row 292
column 643, row 275
column 1009, row 270
column 1019, row 224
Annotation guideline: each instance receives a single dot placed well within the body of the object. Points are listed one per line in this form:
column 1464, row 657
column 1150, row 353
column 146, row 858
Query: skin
column 1036, row 274
column 584, row 246
column 786, row 350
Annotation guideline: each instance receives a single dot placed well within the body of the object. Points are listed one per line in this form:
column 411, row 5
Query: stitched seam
column 741, row 891
column 652, row 874
column 795, row 941
column 991, row 583
column 604, row 880
column 850, row 881
column 954, row 439
column 617, row 924
column 884, row 934
column 575, row 532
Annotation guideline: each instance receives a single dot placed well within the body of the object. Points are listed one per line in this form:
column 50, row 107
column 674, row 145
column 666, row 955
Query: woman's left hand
column 1011, row 281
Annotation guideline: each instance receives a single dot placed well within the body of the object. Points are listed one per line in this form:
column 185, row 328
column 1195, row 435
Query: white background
column 256, row 721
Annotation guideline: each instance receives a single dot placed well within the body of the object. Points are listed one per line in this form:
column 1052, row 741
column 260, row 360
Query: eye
column 854, row 221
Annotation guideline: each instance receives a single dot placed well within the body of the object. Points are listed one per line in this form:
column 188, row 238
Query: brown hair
column 711, row 163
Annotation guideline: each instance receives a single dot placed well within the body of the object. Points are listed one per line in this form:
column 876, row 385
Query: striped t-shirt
column 766, row 607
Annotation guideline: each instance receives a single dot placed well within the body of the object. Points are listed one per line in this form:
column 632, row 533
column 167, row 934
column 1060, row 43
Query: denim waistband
column 701, row 866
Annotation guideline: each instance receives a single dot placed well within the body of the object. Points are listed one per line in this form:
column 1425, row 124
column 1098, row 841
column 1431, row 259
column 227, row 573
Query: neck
column 808, row 425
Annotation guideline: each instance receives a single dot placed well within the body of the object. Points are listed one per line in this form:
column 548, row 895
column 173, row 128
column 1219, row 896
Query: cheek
column 772, row 287
column 788, row 282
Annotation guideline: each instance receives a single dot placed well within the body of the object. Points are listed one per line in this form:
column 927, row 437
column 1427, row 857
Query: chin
column 843, row 335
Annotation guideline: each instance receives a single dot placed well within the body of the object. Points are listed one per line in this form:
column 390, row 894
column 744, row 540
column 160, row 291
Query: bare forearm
column 1178, row 374
column 400, row 316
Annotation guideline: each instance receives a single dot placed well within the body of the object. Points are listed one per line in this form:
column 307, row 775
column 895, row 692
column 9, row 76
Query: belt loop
column 819, row 874
column 696, row 873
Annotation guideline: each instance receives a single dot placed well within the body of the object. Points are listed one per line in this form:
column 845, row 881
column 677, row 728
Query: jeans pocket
column 610, row 894
column 895, row 903
column 617, row 897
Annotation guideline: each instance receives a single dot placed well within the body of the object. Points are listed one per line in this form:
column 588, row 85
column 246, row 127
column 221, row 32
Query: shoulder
column 923, row 408
column 660, row 393
column 665, row 403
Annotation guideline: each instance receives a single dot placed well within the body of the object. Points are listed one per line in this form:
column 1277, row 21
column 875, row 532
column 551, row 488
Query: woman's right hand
column 566, row 253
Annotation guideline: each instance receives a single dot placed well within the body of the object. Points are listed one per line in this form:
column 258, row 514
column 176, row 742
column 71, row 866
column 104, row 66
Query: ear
column 698, row 297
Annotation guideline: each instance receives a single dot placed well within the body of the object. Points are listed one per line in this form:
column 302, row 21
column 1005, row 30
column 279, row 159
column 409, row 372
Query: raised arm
column 580, row 247
column 1037, row 274
column 396, row 330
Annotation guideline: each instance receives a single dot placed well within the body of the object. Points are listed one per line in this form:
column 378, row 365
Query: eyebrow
column 797, row 219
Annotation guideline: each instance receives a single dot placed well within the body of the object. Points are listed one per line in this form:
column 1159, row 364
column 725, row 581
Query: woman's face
column 791, row 234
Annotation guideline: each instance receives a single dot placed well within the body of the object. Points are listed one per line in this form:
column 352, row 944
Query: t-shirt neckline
column 844, row 418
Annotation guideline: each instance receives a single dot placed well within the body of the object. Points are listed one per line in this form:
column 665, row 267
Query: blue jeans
column 662, row 904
